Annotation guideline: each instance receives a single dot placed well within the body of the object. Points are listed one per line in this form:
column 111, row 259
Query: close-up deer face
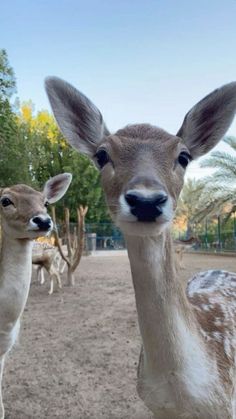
column 142, row 166
column 142, row 170
column 24, row 210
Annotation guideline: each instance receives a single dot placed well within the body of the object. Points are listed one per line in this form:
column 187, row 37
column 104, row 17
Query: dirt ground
column 78, row 349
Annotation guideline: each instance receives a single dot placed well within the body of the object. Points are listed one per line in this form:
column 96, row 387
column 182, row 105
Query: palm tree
column 188, row 206
column 219, row 189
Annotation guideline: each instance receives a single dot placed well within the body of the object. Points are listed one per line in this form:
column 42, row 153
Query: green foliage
column 202, row 202
column 48, row 154
column 13, row 154
column 7, row 77
column 85, row 187
column 189, row 198
column 32, row 150
column 13, row 160
column 187, row 206
column 219, row 190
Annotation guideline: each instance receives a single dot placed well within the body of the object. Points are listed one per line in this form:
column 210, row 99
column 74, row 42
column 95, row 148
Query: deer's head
column 142, row 166
column 23, row 210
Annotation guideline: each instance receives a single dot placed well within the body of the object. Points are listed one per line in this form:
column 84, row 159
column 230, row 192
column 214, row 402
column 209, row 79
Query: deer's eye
column 6, row 202
column 102, row 158
column 46, row 204
column 184, row 159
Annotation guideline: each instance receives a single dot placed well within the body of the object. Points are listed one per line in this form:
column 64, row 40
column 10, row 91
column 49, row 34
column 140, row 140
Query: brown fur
column 178, row 375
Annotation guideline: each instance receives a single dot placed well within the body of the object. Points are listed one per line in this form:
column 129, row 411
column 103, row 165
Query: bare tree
column 74, row 242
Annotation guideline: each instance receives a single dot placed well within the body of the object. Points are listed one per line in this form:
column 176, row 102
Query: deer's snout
column 146, row 208
column 43, row 223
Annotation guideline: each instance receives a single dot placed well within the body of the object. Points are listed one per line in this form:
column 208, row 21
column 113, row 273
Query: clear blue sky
column 139, row 61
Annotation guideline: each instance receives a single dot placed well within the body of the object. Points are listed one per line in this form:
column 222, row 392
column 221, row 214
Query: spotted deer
column 24, row 217
column 46, row 256
column 181, row 246
column 187, row 365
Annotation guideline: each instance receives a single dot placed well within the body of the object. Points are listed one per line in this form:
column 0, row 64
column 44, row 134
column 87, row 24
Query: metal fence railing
column 104, row 236
column 213, row 234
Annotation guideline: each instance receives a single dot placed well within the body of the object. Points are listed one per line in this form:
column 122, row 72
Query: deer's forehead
column 131, row 146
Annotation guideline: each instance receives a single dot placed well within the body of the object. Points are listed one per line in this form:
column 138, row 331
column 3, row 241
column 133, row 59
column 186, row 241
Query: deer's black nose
column 145, row 208
column 44, row 224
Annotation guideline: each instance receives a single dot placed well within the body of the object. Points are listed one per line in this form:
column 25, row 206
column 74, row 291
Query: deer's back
column 213, row 295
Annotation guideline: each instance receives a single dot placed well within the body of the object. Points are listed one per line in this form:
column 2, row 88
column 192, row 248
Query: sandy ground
column 78, row 349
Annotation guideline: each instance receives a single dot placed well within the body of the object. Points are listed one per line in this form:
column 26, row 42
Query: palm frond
column 221, row 160
column 231, row 141
column 219, row 178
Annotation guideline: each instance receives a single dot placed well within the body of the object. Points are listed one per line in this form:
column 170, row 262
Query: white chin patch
column 34, row 234
column 142, row 228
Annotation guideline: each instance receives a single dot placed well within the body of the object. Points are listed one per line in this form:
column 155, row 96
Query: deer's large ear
column 56, row 187
column 207, row 122
column 78, row 118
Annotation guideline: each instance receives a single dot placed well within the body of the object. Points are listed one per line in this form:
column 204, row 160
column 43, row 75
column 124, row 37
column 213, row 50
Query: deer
column 46, row 256
column 181, row 246
column 24, row 217
column 187, row 366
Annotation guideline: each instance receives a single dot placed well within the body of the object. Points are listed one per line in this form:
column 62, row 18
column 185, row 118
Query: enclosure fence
column 104, row 236
column 214, row 234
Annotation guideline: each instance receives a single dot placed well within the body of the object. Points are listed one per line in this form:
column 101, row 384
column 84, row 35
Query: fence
column 99, row 236
column 215, row 233
column 104, row 236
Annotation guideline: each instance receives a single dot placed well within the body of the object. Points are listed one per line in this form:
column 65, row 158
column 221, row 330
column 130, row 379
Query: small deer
column 24, row 217
column 46, row 256
column 187, row 365
column 180, row 247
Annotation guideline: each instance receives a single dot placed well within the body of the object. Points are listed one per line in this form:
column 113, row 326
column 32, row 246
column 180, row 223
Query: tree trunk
column 70, row 277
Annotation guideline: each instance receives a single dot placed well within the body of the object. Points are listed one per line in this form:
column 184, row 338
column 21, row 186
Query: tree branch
column 81, row 212
column 68, row 237
column 57, row 239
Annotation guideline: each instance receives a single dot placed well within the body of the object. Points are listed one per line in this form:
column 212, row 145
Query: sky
column 139, row 61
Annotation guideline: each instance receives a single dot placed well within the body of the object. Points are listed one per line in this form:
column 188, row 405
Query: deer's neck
column 165, row 318
column 15, row 276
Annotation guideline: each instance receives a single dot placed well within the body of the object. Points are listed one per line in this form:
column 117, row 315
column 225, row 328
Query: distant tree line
column 210, row 197
column 32, row 149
